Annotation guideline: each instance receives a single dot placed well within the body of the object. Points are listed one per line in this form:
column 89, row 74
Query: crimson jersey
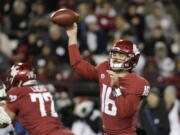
column 34, row 107
column 119, row 114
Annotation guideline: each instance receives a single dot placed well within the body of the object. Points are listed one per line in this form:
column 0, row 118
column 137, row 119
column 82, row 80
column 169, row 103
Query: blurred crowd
column 27, row 35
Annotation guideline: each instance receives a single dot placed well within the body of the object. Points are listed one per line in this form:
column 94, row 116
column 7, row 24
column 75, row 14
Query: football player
column 6, row 127
column 121, row 90
column 31, row 103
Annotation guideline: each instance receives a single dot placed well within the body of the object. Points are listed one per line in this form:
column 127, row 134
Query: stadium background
column 27, row 35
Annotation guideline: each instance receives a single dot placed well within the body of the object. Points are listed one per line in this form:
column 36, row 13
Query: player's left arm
column 129, row 103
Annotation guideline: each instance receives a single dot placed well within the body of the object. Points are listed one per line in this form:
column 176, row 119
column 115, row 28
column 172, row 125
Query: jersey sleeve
column 127, row 105
column 143, row 89
column 138, row 87
column 81, row 66
column 13, row 100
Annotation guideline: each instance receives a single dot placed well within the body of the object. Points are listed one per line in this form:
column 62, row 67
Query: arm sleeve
column 81, row 66
column 13, row 101
column 127, row 105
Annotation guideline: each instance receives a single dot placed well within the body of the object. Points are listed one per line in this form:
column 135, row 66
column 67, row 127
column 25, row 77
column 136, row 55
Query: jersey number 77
column 42, row 98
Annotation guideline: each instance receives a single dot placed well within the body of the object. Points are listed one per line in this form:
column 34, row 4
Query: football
column 64, row 17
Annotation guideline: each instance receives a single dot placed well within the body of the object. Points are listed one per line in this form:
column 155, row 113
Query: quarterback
column 31, row 103
column 121, row 90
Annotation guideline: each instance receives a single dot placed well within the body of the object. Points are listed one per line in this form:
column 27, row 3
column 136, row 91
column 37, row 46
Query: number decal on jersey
column 43, row 98
column 106, row 102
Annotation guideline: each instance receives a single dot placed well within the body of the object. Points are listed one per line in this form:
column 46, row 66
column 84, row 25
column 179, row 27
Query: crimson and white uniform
column 119, row 114
column 34, row 107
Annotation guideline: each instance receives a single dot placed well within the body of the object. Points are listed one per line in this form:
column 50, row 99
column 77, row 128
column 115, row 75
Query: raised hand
column 114, row 77
column 72, row 33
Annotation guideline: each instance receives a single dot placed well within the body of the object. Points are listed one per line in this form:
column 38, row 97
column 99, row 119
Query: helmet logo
column 13, row 73
column 14, row 70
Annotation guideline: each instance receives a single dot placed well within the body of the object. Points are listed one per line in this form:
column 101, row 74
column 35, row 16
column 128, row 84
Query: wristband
column 116, row 92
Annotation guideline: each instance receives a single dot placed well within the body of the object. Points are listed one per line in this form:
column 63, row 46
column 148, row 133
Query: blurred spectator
column 66, row 71
column 95, row 39
column 140, row 65
column 140, row 1
column 172, row 8
column 58, row 43
column 158, row 17
column 4, row 62
column 175, row 46
column 136, row 20
column 34, row 47
column 87, row 119
column 46, row 64
column 20, row 54
column 165, row 63
column 65, row 107
column 27, row 49
column 153, row 115
column 98, row 9
column 71, row 4
column 106, row 17
column 120, row 6
column 5, row 44
column 83, row 9
column 173, row 107
column 50, row 5
column 156, row 37
column 16, row 24
column 32, row 44
column 177, row 3
column 151, row 71
column 122, row 28
column 38, row 18
column 177, row 65
column 171, row 77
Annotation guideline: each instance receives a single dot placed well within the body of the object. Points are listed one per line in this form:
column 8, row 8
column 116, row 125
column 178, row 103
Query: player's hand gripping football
column 114, row 77
column 72, row 33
